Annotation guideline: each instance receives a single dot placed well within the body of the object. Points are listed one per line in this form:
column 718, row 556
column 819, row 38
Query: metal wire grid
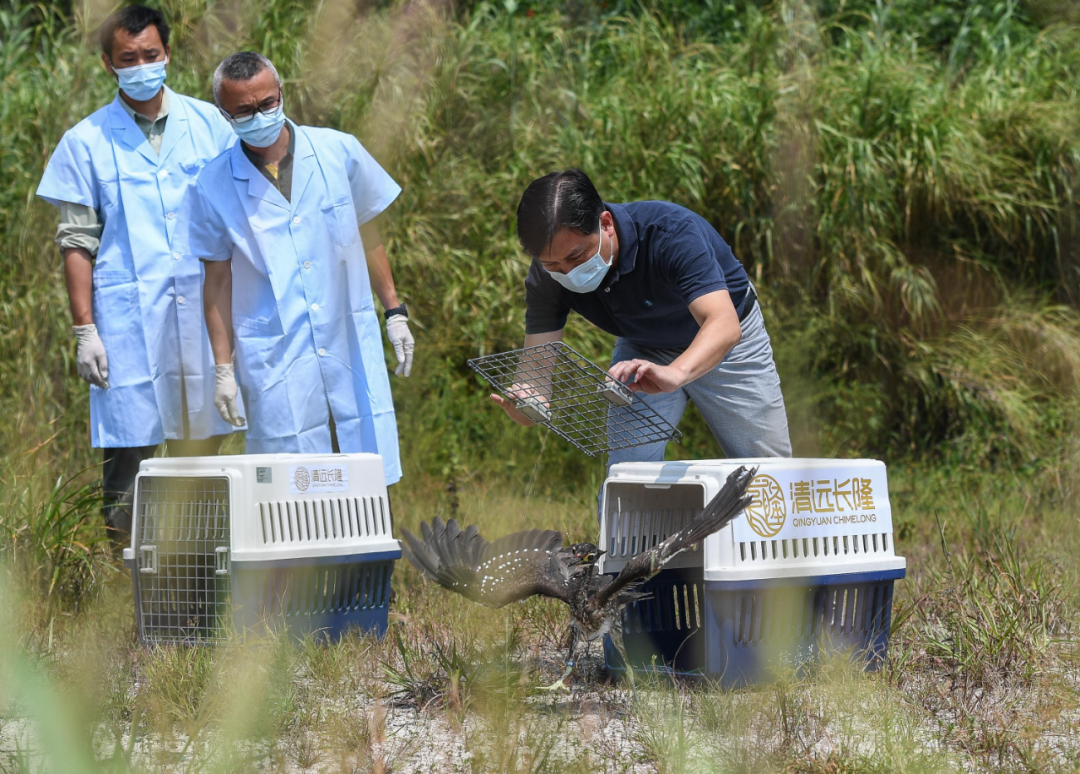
column 182, row 534
column 560, row 389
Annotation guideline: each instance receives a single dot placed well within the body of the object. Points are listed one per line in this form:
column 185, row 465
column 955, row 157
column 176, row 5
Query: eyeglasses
column 268, row 105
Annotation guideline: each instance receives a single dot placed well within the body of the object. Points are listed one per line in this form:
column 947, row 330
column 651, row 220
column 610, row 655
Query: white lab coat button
column 163, row 174
column 181, row 300
column 307, row 264
column 314, row 307
column 296, row 220
column 171, row 216
column 176, row 256
column 321, row 351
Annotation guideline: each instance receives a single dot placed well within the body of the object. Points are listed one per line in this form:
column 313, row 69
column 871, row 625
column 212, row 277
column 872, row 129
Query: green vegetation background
column 898, row 178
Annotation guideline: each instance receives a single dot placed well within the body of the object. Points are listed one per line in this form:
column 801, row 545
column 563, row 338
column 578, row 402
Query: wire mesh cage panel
column 181, row 544
column 557, row 387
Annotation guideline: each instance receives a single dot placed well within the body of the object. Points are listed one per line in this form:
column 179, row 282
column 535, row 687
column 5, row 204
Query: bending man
column 662, row 280
column 276, row 222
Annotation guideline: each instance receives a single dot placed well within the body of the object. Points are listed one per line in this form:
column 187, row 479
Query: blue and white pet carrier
column 808, row 569
column 234, row 544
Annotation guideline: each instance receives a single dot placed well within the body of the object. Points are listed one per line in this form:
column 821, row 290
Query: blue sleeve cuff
column 704, row 290
column 379, row 206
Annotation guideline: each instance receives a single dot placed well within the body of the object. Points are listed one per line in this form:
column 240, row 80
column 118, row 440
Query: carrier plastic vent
column 310, row 521
column 674, row 606
column 842, row 613
column 637, row 518
column 324, row 591
column 836, row 548
column 635, row 531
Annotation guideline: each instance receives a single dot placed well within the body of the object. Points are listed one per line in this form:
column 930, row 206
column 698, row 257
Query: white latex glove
column 397, row 330
column 90, row 360
column 225, row 395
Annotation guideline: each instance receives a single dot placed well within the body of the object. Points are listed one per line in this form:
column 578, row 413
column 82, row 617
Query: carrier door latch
column 221, row 556
column 148, row 560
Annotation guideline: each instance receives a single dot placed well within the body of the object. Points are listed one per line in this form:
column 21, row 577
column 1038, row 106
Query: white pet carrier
column 231, row 543
column 809, row 567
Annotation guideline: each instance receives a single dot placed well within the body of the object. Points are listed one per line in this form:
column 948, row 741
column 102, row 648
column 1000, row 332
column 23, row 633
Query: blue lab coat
column 147, row 297
column 307, row 336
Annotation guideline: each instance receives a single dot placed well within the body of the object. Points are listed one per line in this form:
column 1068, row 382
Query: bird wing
column 721, row 510
column 512, row 568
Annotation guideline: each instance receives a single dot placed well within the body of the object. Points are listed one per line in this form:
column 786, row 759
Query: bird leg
column 559, row 685
column 617, row 640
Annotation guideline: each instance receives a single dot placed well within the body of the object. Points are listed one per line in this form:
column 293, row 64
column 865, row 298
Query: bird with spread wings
column 534, row 562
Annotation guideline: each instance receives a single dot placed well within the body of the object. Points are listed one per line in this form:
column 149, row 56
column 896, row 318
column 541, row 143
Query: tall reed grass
column 897, row 177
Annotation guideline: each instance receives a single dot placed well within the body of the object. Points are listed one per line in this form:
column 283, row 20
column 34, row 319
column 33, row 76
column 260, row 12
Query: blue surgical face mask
column 586, row 277
column 141, row 82
column 263, row 129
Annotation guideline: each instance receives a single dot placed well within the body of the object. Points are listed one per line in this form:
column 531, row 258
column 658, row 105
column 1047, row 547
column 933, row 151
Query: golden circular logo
column 768, row 512
column 302, row 479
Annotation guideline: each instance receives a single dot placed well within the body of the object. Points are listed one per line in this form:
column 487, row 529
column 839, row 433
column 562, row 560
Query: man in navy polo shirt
column 662, row 280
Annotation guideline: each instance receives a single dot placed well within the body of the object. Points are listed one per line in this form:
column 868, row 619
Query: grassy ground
column 982, row 672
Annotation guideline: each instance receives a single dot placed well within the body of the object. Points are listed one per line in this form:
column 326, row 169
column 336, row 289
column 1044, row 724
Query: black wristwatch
column 396, row 310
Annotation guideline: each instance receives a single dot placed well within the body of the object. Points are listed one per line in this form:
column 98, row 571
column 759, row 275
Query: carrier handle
column 148, row 560
column 534, row 408
column 616, row 394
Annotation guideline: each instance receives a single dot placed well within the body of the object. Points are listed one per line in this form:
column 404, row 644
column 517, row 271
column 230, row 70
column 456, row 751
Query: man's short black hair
column 553, row 202
column 243, row 66
column 133, row 19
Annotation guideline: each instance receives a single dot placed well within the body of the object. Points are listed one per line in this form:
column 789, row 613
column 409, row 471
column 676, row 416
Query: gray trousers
column 740, row 399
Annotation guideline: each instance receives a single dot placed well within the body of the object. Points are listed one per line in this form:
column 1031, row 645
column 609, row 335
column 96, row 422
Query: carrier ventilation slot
column 327, row 591
column 672, row 607
column 633, row 532
column 765, row 615
column 327, row 519
column 800, row 549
